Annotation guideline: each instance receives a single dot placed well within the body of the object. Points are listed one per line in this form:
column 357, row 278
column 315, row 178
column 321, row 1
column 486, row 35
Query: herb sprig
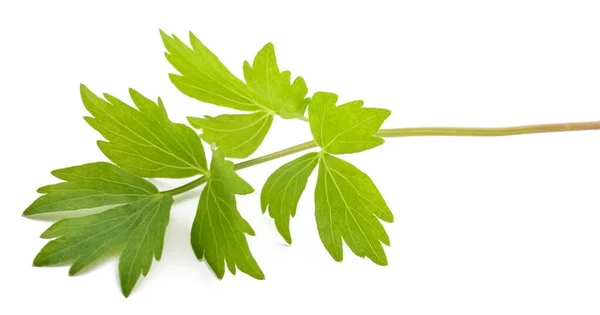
column 142, row 142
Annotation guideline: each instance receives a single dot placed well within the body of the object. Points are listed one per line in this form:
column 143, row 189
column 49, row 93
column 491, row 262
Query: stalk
column 410, row 132
column 488, row 132
column 259, row 160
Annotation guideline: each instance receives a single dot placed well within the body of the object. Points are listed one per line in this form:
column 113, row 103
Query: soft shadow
column 178, row 253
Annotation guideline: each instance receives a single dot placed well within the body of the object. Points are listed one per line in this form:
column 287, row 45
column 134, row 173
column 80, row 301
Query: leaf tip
column 325, row 97
column 174, row 77
column 74, row 270
column 193, row 37
column 166, row 39
column 85, row 93
column 389, row 219
column 56, row 173
column 194, row 121
column 134, row 94
column 381, row 261
column 385, row 113
column 288, row 239
column 83, row 88
column 43, row 189
column 126, row 290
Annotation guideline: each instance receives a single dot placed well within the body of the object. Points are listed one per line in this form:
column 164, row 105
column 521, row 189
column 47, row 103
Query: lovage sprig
column 142, row 142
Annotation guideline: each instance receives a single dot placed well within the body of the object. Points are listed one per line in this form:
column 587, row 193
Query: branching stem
column 410, row 132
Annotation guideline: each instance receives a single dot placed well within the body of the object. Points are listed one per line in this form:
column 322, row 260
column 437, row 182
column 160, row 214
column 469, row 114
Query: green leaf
column 89, row 186
column 283, row 189
column 348, row 206
column 347, row 128
column 144, row 141
column 272, row 88
column 218, row 231
column 237, row 136
column 138, row 224
column 267, row 92
column 204, row 77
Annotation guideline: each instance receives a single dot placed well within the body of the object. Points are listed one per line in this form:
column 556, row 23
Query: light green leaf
column 348, row 205
column 283, row 189
column 138, row 224
column 89, row 186
column 237, row 136
column 272, row 88
column 268, row 91
column 347, row 128
column 219, row 231
column 204, row 77
column 144, row 141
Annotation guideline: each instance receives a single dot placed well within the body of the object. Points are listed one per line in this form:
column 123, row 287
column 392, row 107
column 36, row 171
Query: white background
column 483, row 226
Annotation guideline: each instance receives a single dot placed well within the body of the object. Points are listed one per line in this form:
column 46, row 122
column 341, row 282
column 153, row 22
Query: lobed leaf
column 138, row 224
column 237, row 136
column 218, row 231
column 267, row 92
column 144, row 141
column 272, row 88
column 282, row 191
column 347, row 206
column 89, row 186
column 204, row 77
column 347, row 128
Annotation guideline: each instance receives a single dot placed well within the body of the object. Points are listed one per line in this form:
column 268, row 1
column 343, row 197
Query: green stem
column 259, row 160
column 189, row 186
column 409, row 132
column 488, row 132
column 275, row 155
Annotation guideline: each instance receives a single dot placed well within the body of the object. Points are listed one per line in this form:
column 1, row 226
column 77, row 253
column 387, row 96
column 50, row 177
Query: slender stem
column 189, row 186
column 410, row 132
column 275, row 155
column 259, row 160
column 488, row 132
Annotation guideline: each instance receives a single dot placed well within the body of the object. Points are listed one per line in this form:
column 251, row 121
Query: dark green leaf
column 89, row 186
column 138, row 224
